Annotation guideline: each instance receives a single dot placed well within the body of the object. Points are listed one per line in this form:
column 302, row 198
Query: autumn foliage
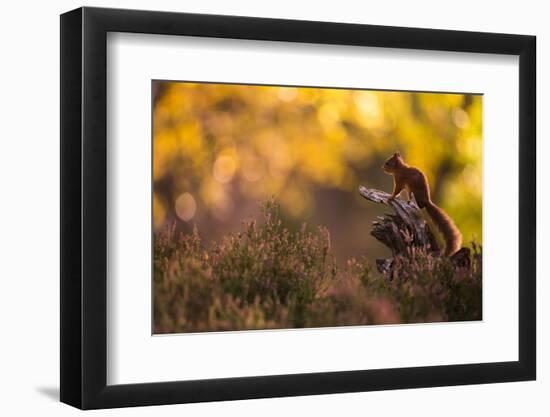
column 219, row 149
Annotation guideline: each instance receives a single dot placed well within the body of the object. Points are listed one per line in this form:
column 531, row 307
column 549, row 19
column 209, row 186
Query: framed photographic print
column 257, row 207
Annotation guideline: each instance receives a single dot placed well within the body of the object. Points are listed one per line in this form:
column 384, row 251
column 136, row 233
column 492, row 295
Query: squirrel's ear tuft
column 397, row 154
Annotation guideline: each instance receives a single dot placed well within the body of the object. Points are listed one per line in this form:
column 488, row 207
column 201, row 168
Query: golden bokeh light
column 287, row 94
column 220, row 149
column 186, row 207
column 224, row 168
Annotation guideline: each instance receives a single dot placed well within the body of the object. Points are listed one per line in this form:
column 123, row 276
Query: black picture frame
column 84, row 207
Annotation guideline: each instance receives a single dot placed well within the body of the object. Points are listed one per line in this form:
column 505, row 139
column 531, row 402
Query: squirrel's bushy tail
column 451, row 234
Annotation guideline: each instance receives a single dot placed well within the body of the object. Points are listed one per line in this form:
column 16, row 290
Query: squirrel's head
column 392, row 163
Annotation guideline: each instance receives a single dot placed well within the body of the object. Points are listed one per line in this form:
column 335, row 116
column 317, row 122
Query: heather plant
column 275, row 267
column 428, row 287
column 269, row 277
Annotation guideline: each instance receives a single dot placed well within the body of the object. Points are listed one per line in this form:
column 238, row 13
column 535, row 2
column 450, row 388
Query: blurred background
column 219, row 150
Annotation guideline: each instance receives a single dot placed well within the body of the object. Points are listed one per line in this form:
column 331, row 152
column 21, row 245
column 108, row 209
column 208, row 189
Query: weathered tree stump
column 403, row 229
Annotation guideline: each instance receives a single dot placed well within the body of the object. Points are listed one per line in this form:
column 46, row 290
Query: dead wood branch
column 403, row 229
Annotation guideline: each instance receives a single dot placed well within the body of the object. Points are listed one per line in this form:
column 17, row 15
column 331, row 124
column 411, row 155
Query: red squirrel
column 415, row 182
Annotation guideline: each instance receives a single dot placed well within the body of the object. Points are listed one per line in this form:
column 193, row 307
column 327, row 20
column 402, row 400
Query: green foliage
column 268, row 277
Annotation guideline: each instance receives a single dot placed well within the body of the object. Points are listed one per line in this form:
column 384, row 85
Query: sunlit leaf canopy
column 221, row 149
